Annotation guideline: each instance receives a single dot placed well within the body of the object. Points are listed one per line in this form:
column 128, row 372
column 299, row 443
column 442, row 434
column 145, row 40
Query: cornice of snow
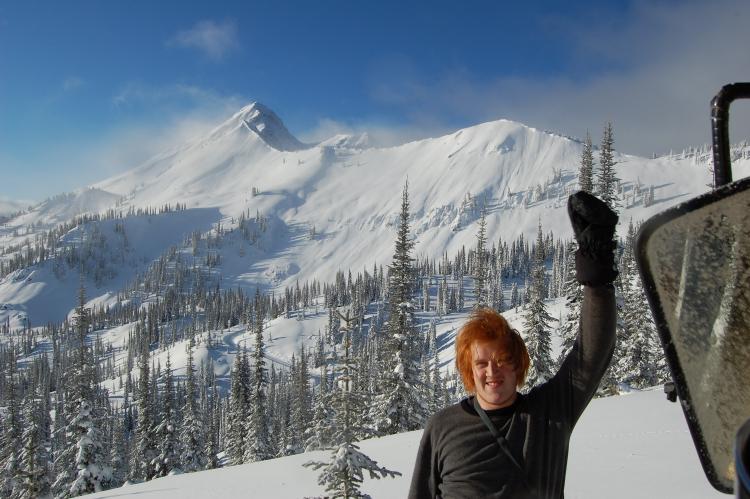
column 262, row 122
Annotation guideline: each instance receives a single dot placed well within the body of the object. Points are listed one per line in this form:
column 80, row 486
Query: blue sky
column 91, row 88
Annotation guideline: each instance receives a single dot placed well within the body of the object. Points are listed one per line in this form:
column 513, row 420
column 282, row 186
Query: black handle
column 742, row 462
column 720, row 129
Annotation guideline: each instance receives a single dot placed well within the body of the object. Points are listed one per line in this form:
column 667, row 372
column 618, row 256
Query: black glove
column 594, row 227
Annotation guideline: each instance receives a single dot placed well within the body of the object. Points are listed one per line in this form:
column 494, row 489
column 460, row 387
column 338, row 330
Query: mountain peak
column 263, row 122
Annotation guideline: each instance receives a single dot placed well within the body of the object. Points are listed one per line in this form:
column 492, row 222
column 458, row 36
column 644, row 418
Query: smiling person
column 503, row 444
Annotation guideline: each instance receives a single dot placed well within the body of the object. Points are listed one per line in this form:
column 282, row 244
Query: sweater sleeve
column 583, row 368
column 425, row 476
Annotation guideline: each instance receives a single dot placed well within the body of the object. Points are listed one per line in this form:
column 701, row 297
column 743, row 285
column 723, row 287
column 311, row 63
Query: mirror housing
column 694, row 261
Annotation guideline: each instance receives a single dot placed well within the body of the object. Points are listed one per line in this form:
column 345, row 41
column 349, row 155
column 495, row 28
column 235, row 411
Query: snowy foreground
column 635, row 445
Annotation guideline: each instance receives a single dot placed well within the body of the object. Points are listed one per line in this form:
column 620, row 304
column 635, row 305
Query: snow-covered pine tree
column 497, row 301
column 441, row 305
column 397, row 406
column 461, row 293
column 480, row 267
column 12, row 433
column 168, row 452
column 641, row 362
column 33, row 473
column 192, row 441
column 120, row 449
column 343, row 474
column 437, row 384
column 279, row 411
column 301, row 403
column 275, row 401
column 214, row 423
column 238, row 407
column 606, row 178
column 586, row 169
column 536, row 321
column 145, row 445
column 258, row 439
column 319, row 434
column 94, row 474
column 573, row 293
column 83, row 453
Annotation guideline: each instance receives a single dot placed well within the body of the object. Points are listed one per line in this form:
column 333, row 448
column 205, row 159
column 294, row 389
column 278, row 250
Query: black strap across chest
column 502, row 442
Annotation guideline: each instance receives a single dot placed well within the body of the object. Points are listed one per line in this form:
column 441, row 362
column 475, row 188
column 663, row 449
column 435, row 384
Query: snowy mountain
column 333, row 205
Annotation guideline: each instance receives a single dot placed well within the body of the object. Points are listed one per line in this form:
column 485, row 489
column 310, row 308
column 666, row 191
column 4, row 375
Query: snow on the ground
column 634, row 445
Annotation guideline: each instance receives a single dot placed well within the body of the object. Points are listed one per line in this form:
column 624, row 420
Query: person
column 500, row 443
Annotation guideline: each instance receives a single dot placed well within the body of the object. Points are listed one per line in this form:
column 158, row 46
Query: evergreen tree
column 437, row 385
column 536, row 321
column 145, row 447
column 33, row 472
column 120, row 449
column 258, row 442
column 214, row 427
column 12, row 432
column 238, row 407
column 480, row 270
column 586, row 170
column 319, row 434
column 302, row 403
column 606, row 178
column 192, row 441
column 514, row 299
column 168, row 455
column 93, row 474
column 641, row 361
column 84, row 449
column 343, row 474
column 573, row 293
column 398, row 407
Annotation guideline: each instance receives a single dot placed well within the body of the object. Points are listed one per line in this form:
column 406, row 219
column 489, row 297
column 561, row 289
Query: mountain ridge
column 334, row 207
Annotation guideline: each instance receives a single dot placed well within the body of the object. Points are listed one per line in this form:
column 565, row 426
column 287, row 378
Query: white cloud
column 666, row 60
column 379, row 134
column 138, row 93
column 72, row 83
column 213, row 39
column 184, row 113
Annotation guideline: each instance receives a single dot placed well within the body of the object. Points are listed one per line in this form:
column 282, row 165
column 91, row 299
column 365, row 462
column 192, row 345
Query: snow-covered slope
column 351, row 196
column 635, row 445
column 334, row 206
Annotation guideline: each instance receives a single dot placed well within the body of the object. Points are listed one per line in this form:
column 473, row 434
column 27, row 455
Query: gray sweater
column 459, row 457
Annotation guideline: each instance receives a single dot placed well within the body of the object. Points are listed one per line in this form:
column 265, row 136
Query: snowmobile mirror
column 694, row 260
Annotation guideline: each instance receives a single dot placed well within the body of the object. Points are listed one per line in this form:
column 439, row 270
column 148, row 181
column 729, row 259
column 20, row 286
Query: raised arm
column 580, row 373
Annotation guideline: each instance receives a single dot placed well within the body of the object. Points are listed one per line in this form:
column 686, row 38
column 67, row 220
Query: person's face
column 494, row 377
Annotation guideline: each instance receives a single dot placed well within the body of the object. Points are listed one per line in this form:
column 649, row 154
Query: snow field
column 627, row 446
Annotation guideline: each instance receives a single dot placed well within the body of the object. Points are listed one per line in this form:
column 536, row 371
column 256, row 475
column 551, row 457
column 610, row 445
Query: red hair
column 487, row 326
